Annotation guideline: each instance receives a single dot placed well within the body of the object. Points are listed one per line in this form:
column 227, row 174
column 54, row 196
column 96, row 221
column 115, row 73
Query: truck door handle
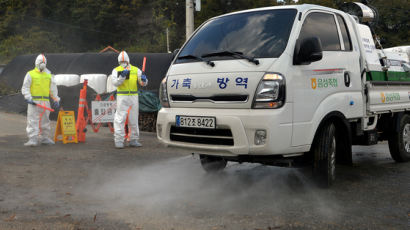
column 347, row 79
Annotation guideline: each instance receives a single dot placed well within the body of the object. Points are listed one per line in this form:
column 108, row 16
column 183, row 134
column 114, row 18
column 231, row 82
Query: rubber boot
column 135, row 143
column 47, row 141
column 31, row 142
column 119, row 145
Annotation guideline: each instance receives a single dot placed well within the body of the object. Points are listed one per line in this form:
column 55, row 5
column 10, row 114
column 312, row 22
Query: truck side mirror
column 307, row 50
column 174, row 53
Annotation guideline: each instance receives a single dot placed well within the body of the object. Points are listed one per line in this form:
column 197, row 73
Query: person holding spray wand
column 126, row 78
column 38, row 87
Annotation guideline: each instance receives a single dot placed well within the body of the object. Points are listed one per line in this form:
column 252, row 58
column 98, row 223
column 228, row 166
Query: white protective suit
column 38, row 132
column 124, row 102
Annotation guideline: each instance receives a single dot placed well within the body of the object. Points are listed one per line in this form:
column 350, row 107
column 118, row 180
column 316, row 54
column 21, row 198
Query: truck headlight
column 163, row 95
column 270, row 93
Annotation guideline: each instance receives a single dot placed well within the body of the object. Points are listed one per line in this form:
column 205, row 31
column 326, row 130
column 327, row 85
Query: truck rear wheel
column 324, row 154
column 399, row 141
column 212, row 163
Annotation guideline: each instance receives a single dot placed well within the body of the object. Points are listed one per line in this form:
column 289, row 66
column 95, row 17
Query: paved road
column 95, row 186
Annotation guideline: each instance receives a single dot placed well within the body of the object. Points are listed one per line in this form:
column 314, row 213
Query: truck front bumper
column 243, row 124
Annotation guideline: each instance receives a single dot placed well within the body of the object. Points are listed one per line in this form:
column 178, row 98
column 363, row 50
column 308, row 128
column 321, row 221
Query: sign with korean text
column 66, row 130
column 222, row 82
column 68, row 124
column 322, row 83
column 103, row 111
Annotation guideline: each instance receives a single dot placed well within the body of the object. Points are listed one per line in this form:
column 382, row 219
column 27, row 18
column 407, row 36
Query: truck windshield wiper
column 232, row 54
column 189, row 56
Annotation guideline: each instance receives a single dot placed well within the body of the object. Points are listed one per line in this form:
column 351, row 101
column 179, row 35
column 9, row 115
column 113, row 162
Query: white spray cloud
column 178, row 190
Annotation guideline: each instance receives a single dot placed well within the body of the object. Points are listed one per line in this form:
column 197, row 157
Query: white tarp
column 396, row 60
column 96, row 81
column 401, row 50
column 67, row 79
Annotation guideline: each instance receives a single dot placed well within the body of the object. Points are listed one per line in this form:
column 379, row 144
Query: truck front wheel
column 399, row 141
column 324, row 155
column 212, row 163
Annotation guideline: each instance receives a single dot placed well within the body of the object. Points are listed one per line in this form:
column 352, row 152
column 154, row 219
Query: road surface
column 95, row 186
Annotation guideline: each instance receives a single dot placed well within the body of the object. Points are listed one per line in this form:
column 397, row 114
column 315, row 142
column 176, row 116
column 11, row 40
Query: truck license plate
column 196, row 122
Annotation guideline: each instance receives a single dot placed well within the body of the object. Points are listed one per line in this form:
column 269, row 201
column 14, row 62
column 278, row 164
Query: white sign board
column 371, row 53
column 103, row 111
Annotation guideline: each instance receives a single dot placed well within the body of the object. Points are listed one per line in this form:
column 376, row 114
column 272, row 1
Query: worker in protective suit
column 38, row 87
column 126, row 78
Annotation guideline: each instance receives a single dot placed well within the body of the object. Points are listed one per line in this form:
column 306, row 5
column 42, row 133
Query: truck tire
column 324, row 155
column 399, row 141
column 212, row 163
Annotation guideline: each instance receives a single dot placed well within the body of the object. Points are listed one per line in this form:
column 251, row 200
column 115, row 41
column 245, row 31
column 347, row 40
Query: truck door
column 330, row 84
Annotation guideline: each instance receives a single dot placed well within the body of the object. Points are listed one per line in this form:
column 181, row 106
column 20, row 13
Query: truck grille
column 215, row 99
column 202, row 136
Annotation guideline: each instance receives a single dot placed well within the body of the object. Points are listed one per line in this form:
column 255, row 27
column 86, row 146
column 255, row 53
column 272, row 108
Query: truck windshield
column 259, row 34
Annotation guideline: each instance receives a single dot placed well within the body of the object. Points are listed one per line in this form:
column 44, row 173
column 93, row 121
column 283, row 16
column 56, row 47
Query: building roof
column 109, row 49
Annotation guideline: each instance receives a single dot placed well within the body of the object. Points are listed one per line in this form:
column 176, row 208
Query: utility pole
column 189, row 17
column 168, row 41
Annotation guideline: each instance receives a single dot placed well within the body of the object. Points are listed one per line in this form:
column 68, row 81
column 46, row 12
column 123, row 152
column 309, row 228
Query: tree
column 33, row 26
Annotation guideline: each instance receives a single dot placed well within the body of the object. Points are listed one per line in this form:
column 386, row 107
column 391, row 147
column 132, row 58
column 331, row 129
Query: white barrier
column 96, row 81
column 67, row 79
column 400, row 49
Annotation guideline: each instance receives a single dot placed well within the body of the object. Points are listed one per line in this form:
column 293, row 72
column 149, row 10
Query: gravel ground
column 95, row 186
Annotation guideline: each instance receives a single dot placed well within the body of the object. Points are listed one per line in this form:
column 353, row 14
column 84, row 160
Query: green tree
column 33, row 26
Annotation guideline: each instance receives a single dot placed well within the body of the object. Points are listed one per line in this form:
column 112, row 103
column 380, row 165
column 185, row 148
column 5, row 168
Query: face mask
column 42, row 66
column 124, row 64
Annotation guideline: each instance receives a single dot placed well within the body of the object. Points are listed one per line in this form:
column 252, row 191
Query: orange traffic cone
column 81, row 122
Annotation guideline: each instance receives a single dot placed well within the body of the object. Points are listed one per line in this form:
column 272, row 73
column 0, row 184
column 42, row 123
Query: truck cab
column 277, row 85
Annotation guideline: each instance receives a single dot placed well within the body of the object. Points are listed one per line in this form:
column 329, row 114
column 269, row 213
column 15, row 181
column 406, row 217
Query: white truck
column 285, row 86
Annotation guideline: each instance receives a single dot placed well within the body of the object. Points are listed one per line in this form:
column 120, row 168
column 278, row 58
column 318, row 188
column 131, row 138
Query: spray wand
column 42, row 106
